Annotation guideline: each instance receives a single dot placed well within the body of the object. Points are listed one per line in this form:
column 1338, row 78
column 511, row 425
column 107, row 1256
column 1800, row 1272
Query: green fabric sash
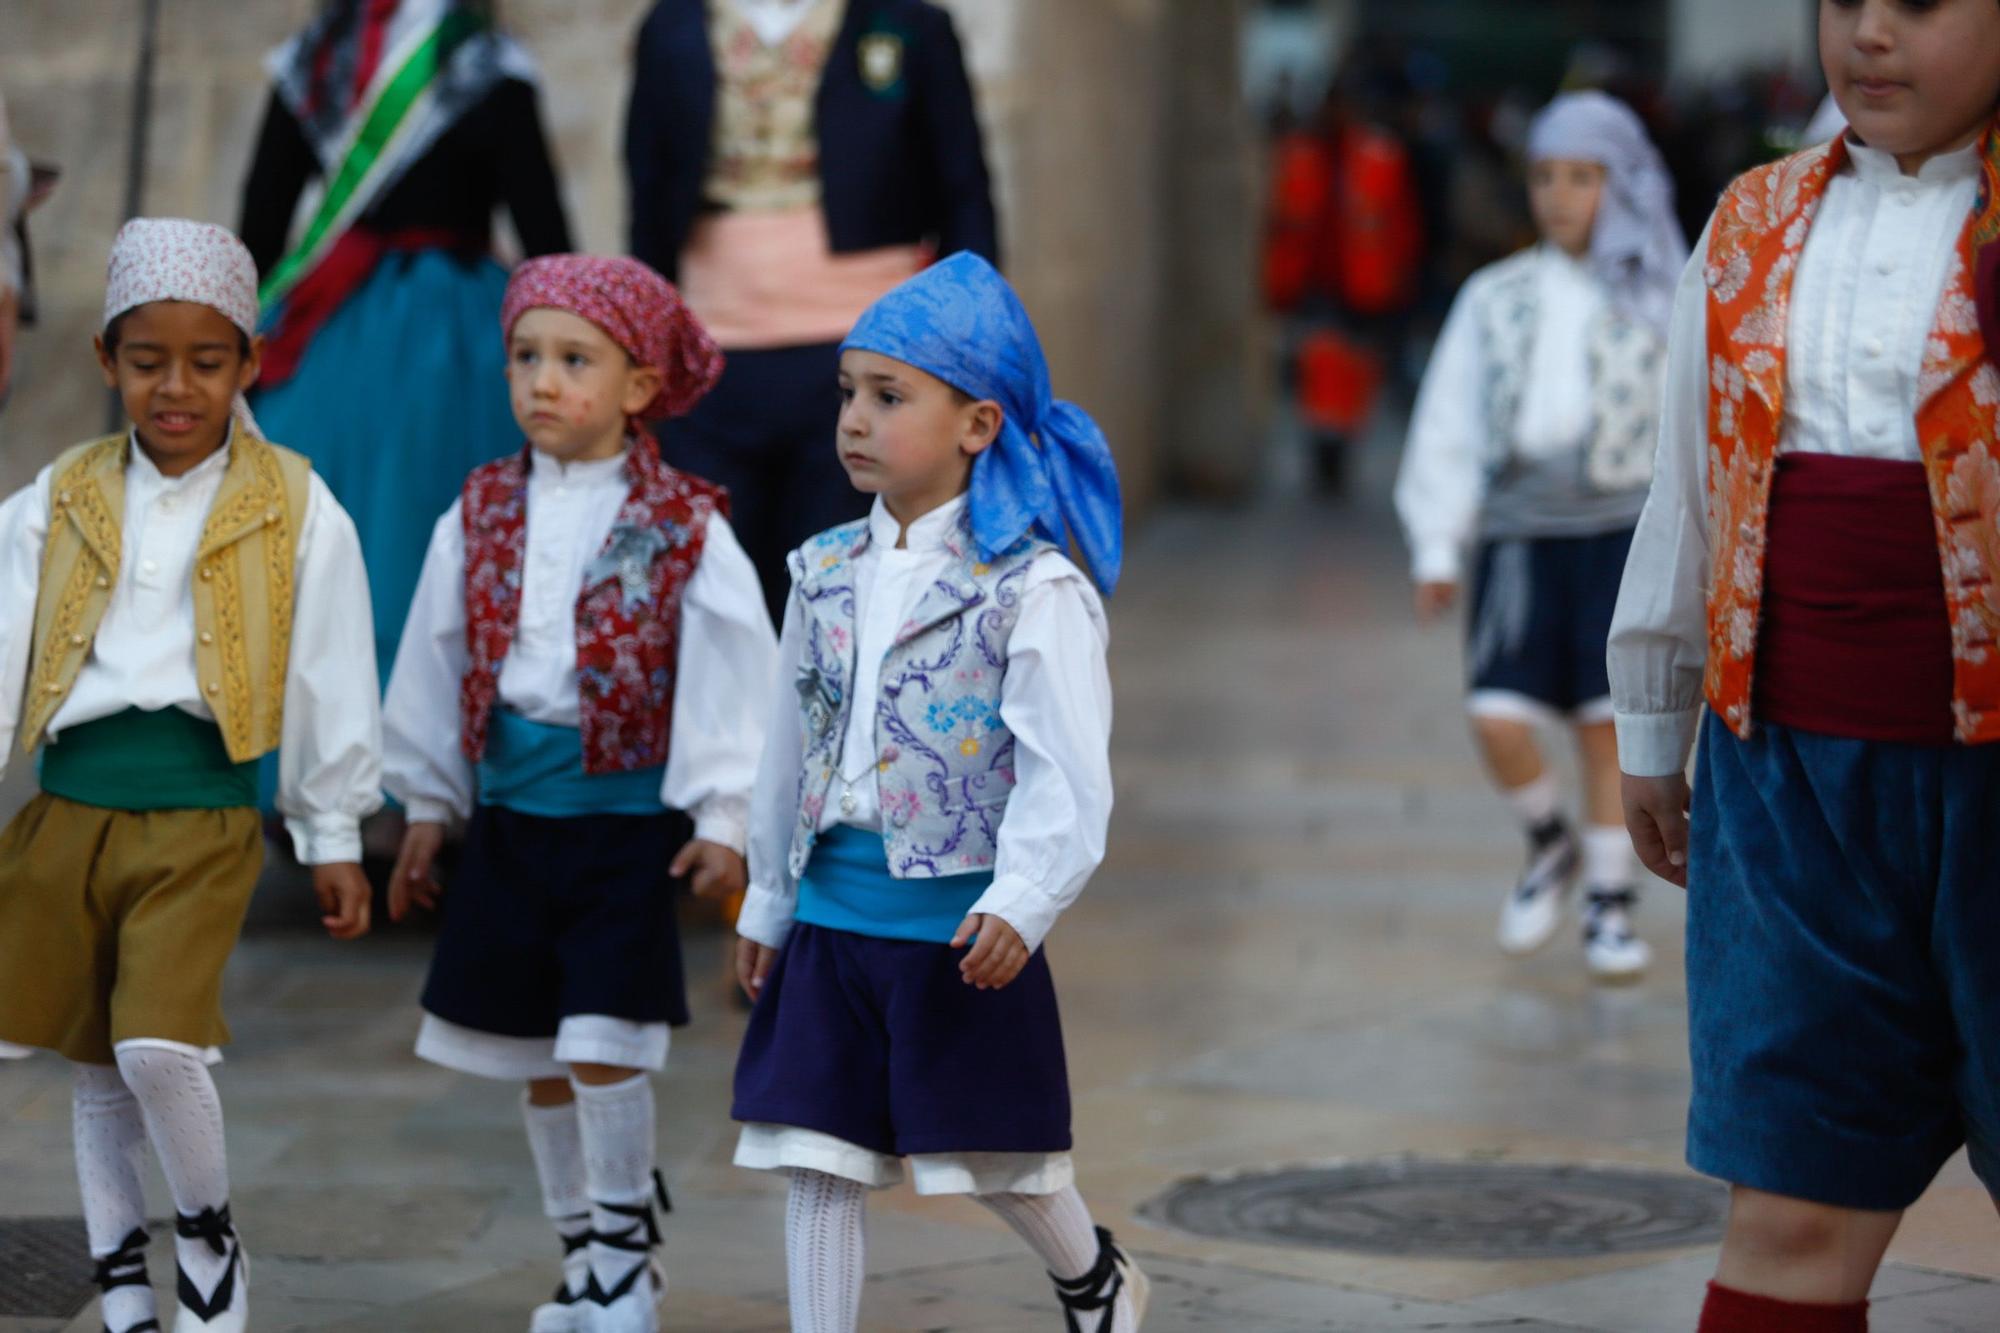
column 135, row 760
column 370, row 158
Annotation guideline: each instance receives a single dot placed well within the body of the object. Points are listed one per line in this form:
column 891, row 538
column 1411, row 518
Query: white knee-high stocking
column 615, row 1129
column 184, row 1121
column 1058, row 1228
column 826, row 1245
column 110, row 1136
column 556, row 1140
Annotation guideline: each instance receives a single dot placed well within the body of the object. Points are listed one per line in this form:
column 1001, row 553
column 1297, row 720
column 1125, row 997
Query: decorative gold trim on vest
column 243, row 610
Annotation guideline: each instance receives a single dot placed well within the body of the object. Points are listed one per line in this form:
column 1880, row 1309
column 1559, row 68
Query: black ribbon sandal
column 126, row 1267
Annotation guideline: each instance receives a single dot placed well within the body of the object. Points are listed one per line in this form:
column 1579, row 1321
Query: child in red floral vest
column 1820, row 560
column 588, row 648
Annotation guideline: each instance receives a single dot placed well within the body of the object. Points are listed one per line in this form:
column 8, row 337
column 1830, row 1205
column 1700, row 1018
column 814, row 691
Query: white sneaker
column 1612, row 952
column 1110, row 1298
column 225, row 1308
column 1533, row 912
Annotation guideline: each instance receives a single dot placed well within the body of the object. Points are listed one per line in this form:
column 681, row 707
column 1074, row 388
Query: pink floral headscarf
column 175, row 259
column 637, row 308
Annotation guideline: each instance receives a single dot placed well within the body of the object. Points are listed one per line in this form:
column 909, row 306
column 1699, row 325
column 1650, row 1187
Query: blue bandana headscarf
column 1051, row 470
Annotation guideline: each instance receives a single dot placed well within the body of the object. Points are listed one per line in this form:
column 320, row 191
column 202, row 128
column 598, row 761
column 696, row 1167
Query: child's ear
column 641, row 385
column 253, row 364
column 106, row 362
column 983, row 421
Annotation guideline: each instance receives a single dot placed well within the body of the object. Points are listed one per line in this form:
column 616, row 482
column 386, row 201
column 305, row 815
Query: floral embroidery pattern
column 628, row 615
column 946, row 762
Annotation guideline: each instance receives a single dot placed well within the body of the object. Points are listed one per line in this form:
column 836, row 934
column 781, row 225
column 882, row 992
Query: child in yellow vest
column 175, row 602
column 1820, row 561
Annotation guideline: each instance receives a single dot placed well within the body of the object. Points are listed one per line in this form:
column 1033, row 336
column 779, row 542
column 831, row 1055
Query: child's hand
column 998, row 957
column 1656, row 814
column 753, row 965
column 714, row 870
column 413, row 880
column 344, row 899
column 1434, row 598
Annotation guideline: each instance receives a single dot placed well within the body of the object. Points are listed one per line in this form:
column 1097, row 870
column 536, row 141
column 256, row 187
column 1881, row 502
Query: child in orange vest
column 1820, row 561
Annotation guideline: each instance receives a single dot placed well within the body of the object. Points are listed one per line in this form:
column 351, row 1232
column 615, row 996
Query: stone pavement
column 1287, row 960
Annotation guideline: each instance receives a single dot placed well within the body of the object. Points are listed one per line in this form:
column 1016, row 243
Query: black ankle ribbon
column 125, row 1266
column 1096, row 1291
column 211, row 1225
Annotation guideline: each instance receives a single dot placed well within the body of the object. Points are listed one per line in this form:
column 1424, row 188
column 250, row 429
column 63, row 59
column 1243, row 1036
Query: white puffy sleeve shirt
column 1451, row 442
column 329, row 759
column 1863, row 304
column 722, row 687
column 1055, row 700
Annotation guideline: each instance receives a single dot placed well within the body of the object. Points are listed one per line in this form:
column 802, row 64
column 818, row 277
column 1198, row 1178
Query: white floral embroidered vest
column 1627, row 362
column 945, row 759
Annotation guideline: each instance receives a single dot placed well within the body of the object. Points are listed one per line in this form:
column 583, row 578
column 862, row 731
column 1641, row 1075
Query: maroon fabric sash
column 1855, row 639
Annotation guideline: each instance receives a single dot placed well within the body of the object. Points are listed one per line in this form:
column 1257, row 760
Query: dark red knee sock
column 1731, row 1311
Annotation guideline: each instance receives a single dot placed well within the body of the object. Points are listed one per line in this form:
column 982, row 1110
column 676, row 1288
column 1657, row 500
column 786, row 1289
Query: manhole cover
column 48, row 1268
column 1452, row 1210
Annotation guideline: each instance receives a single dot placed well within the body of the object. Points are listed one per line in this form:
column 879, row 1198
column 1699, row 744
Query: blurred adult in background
column 14, row 178
column 1344, row 254
column 421, row 119
column 790, row 161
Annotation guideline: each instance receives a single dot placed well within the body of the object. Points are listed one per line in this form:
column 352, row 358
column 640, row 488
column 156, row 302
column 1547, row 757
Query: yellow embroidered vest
column 1760, row 228
column 242, row 585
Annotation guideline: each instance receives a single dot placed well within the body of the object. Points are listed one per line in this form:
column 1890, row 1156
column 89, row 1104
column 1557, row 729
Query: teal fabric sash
column 135, row 760
column 536, row 768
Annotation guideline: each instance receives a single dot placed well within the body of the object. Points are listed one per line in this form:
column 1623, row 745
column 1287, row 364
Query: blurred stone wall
column 1118, row 138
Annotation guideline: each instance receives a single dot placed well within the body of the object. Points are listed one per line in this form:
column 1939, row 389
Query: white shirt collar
column 1878, row 168
column 141, row 467
column 585, row 472
column 928, row 535
column 774, row 20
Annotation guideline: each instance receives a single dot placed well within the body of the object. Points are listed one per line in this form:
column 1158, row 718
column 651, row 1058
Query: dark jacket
column 899, row 164
column 495, row 154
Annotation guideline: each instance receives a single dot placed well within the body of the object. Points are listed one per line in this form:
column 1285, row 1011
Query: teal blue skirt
column 399, row 396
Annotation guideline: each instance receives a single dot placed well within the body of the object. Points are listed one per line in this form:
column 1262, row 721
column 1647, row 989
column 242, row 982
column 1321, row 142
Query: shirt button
column 149, row 566
column 1875, row 347
column 1878, row 428
column 1885, row 266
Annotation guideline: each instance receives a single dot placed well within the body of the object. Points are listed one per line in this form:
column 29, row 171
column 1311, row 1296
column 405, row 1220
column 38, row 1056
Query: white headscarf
column 174, row 259
column 1637, row 247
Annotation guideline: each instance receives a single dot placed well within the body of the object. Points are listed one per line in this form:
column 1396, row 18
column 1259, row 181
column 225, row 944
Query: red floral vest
column 1760, row 228
column 628, row 616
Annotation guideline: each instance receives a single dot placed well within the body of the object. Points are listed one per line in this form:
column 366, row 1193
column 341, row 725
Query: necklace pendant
column 848, row 803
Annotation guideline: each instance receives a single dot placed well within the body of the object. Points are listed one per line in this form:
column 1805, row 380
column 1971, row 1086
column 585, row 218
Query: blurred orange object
column 1372, row 245
column 1339, row 380
column 1301, row 189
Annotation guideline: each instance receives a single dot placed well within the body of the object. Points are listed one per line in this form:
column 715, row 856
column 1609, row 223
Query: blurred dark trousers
column 767, row 433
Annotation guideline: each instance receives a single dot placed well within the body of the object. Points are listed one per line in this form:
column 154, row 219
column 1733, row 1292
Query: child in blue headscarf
column 942, row 798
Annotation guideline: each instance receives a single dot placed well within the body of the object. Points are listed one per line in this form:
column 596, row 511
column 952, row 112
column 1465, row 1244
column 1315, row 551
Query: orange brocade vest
column 1759, row 231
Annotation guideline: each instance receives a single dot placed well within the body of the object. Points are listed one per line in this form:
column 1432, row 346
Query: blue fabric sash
column 847, row 886
column 535, row 768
